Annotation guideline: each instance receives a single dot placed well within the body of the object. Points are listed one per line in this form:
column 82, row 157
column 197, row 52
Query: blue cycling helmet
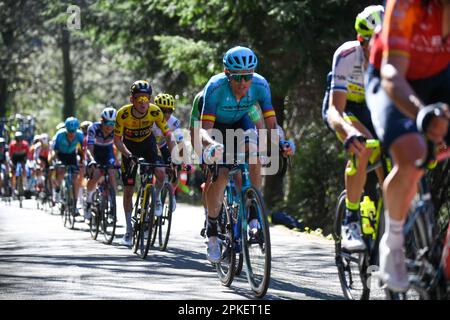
column 240, row 58
column 72, row 124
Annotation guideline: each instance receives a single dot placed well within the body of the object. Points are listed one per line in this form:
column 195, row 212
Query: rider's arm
column 118, row 133
column 396, row 35
column 208, row 116
column 121, row 146
column 90, row 152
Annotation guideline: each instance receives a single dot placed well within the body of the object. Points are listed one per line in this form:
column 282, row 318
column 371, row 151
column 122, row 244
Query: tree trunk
column 7, row 35
column 3, row 96
column 273, row 186
column 69, row 96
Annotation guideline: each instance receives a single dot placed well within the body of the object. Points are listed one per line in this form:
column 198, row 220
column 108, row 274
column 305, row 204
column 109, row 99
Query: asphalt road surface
column 41, row 259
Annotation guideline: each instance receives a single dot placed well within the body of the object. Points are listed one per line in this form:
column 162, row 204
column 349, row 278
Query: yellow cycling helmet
column 165, row 100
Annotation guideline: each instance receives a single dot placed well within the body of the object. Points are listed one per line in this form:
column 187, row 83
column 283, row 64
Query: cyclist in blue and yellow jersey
column 133, row 138
column 408, row 92
column 346, row 113
column 64, row 149
column 228, row 98
column 100, row 151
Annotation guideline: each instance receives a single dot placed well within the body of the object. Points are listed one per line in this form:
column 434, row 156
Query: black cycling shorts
column 389, row 122
column 146, row 149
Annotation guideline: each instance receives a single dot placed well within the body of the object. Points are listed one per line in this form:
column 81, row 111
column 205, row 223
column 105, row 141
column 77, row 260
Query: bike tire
column 226, row 268
column 109, row 215
column 136, row 221
column 147, row 221
column 352, row 268
column 259, row 283
column 165, row 221
column 19, row 186
column 94, row 222
column 239, row 264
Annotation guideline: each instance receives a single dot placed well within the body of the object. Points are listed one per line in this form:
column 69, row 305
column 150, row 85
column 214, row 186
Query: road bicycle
column 356, row 269
column 162, row 224
column 236, row 236
column 103, row 209
column 144, row 207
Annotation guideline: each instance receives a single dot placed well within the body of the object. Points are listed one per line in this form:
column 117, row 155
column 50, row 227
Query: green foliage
column 316, row 178
column 195, row 58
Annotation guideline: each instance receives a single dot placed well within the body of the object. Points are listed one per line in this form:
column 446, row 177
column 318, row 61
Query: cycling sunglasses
column 142, row 99
column 110, row 123
column 239, row 76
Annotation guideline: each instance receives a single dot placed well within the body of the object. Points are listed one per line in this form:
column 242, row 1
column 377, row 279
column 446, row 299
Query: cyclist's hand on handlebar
column 133, row 159
column 214, row 152
column 433, row 121
column 354, row 143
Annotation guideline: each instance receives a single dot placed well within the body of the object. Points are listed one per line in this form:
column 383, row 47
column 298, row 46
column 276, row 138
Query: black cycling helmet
column 141, row 86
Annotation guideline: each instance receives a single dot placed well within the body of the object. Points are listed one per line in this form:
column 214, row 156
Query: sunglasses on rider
column 239, row 76
column 142, row 99
column 109, row 123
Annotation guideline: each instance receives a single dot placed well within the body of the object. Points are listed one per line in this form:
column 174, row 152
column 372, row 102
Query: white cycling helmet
column 109, row 114
column 44, row 138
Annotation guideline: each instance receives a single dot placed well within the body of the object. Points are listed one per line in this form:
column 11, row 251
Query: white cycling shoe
column 213, row 251
column 351, row 237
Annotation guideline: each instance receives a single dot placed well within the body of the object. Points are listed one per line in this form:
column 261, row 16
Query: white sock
column 394, row 232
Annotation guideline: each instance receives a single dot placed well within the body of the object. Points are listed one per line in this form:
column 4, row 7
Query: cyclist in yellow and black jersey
column 133, row 137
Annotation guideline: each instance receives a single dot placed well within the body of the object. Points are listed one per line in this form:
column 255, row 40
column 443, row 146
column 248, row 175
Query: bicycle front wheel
column 256, row 243
column 351, row 266
column 70, row 206
column 94, row 222
column 146, row 221
column 109, row 216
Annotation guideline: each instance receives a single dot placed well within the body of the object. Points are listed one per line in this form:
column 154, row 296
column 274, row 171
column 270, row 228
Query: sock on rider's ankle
column 128, row 221
column 211, row 229
column 351, row 212
column 394, row 232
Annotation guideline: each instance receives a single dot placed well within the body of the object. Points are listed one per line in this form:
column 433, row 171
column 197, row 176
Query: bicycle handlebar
column 369, row 144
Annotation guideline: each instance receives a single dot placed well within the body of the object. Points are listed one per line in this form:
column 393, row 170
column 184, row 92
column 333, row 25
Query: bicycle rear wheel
column 70, row 210
column 19, row 190
column 352, row 267
column 109, row 214
column 256, row 247
column 164, row 222
column 226, row 267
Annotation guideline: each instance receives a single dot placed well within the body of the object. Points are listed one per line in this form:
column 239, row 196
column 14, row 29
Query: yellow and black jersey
column 139, row 129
